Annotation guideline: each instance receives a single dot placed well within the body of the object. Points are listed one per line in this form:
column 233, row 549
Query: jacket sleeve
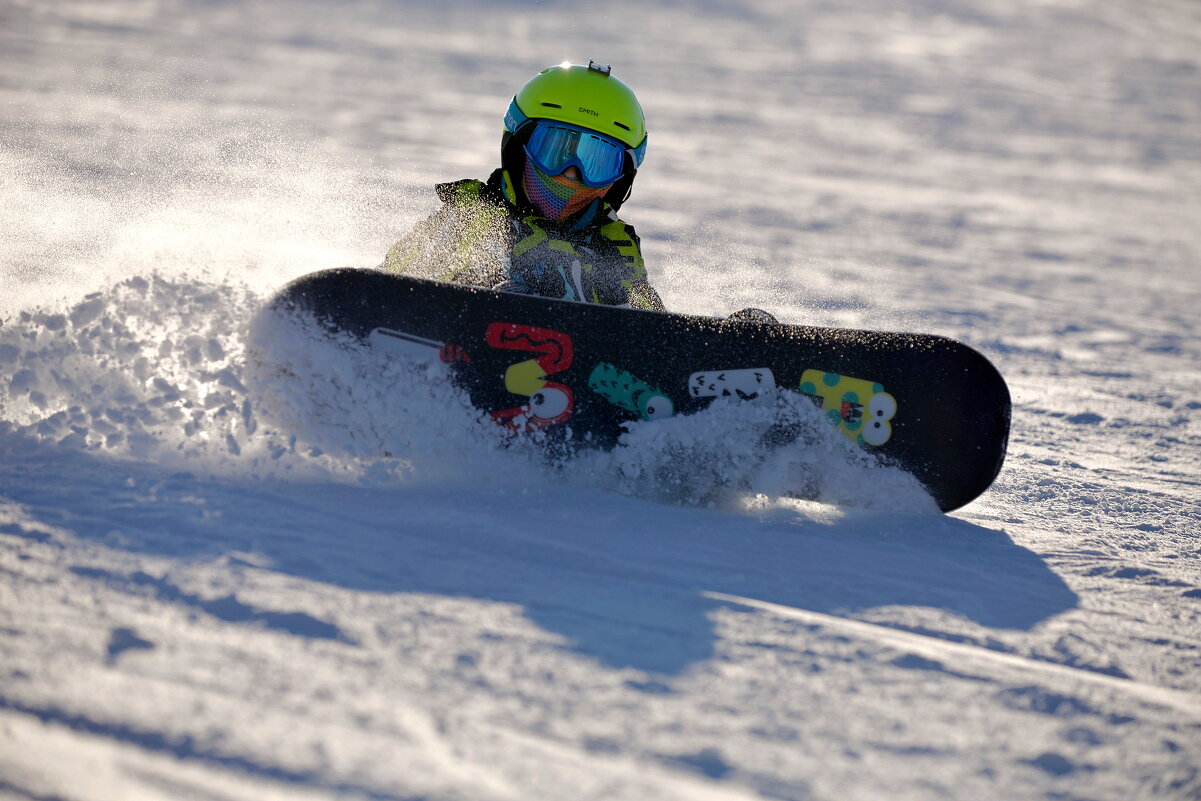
column 643, row 296
column 465, row 241
column 411, row 254
column 635, row 288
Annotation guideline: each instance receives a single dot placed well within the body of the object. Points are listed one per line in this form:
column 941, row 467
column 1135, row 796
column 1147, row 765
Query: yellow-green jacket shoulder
column 480, row 237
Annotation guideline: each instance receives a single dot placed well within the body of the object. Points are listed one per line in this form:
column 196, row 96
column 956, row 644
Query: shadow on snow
column 623, row 580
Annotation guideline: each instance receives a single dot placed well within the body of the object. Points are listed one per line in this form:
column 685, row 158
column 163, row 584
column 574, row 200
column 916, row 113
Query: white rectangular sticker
column 743, row 383
column 401, row 344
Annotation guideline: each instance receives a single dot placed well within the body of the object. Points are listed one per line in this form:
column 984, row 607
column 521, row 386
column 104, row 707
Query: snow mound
column 150, row 369
column 778, row 445
column 174, row 371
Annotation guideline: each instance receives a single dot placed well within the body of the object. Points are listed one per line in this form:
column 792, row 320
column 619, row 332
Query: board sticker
column 746, row 383
column 859, row 408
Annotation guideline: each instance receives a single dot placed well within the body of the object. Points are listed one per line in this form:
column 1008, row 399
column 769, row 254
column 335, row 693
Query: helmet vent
column 621, row 125
column 551, row 105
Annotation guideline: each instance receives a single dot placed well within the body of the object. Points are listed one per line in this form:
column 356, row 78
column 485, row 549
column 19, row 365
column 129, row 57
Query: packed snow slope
column 217, row 586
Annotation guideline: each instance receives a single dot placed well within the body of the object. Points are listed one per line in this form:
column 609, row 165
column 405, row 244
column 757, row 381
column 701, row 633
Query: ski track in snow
column 214, row 584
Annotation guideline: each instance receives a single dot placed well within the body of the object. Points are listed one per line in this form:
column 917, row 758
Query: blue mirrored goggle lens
column 555, row 146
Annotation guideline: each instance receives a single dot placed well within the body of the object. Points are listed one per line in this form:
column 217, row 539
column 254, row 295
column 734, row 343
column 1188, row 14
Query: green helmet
column 588, row 97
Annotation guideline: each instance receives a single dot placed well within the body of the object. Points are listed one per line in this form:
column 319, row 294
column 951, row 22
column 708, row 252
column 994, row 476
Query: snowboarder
column 545, row 223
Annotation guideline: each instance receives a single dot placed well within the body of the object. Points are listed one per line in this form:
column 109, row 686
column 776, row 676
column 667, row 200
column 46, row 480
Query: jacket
column 481, row 237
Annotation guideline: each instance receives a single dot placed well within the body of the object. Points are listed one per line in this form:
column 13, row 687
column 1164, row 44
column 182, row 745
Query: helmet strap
column 507, row 187
column 512, row 161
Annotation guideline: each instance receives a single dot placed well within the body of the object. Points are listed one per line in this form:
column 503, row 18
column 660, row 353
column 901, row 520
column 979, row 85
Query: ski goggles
column 554, row 146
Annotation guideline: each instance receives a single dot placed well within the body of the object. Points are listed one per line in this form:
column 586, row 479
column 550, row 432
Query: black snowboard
column 929, row 405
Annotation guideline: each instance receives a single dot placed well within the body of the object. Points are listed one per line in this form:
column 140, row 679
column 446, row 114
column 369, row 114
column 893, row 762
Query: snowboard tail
column 926, row 404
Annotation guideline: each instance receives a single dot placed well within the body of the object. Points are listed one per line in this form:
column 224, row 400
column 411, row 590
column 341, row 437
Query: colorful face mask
column 556, row 197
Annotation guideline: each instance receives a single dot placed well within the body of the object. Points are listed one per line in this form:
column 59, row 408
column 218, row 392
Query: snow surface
column 198, row 601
